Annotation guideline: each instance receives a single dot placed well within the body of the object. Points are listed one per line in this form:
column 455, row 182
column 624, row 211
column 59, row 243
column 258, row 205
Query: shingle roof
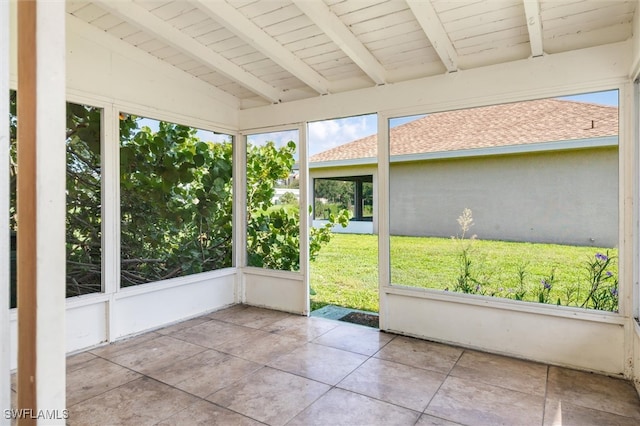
column 546, row 120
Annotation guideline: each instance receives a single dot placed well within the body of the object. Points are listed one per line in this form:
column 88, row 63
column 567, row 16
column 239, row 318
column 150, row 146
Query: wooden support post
column 26, row 207
column 41, row 212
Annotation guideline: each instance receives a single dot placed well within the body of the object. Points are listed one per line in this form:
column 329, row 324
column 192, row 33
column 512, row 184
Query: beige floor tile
column 270, row 396
column 399, row 384
column 593, row 391
column 341, row 407
column 352, row 338
column 510, row 373
column 307, row 328
column 421, row 354
column 250, row 316
column 124, row 345
column 427, row 420
column 262, row 349
column 205, row 372
column 226, row 312
column 143, row 401
column 321, row 363
column 95, row 377
column 77, row 361
column 478, row 403
column 213, row 333
column 156, row 354
column 183, row 325
column 204, row 413
column 558, row 413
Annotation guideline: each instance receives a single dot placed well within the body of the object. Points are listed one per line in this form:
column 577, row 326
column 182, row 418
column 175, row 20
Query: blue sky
column 328, row 134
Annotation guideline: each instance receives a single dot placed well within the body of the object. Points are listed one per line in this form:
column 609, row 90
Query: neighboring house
column 538, row 171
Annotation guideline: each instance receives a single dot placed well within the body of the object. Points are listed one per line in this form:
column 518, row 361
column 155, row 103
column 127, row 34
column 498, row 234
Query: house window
column 353, row 193
column 273, row 201
column 176, row 200
column 84, row 215
column 517, row 201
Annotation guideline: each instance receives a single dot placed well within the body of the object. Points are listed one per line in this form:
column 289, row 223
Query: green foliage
column 603, row 293
column 288, row 198
column 176, row 203
column 335, row 191
column 602, row 287
column 345, row 271
column 273, row 233
column 84, row 219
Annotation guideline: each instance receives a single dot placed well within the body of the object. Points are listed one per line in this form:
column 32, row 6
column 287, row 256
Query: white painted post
column 50, row 210
column 110, row 181
column 5, row 347
column 304, row 199
column 240, row 213
column 383, row 217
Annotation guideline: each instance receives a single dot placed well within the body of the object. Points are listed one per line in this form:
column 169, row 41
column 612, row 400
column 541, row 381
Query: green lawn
column 346, row 271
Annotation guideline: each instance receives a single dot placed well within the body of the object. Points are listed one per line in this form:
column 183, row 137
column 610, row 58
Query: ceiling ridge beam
column 241, row 26
column 434, row 30
column 534, row 26
column 147, row 21
column 336, row 30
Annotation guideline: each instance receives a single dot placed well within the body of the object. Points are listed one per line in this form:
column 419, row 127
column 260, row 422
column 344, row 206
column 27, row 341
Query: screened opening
column 273, row 201
column 342, row 171
column 175, row 200
column 84, row 199
column 517, row 201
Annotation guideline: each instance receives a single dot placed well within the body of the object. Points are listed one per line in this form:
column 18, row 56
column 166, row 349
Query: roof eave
column 598, row 142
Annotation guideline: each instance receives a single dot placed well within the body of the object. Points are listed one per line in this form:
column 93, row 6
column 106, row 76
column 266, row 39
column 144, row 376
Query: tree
column 176, row 202
column 273, row 233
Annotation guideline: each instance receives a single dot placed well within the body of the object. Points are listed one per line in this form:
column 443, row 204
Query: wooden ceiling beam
column 242, row 27
column 434, row 30
column 167, row 33
column 534, row 26
column 336, row 30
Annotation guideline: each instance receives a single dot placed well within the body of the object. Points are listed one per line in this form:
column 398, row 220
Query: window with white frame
column 518, row 201
column 175, row 200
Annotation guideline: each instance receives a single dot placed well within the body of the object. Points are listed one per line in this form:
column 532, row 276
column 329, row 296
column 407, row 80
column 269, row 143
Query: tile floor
column 251, row 366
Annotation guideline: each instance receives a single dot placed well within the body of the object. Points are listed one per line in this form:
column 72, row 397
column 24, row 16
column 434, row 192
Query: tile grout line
column 440, row 387
column 546, row 392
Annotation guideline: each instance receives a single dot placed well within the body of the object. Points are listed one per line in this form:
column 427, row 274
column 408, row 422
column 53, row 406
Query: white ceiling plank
column 151, row 24
column 245, row 29
column 534, row 25
column 435, row 32
column 328, row 22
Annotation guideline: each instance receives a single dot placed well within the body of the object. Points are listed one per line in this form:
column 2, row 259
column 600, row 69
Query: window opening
column 517, row 201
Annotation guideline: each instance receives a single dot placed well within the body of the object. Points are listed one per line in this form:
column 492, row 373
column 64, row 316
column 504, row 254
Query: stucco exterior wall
column 568, row 197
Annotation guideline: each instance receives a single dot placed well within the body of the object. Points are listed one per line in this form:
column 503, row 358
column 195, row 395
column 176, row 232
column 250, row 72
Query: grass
column 346, row 270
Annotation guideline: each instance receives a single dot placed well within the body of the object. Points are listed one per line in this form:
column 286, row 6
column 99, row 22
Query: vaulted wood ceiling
column 270, row 51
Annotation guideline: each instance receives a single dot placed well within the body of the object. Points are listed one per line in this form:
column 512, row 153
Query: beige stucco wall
column 568, row 197
column 556, row 197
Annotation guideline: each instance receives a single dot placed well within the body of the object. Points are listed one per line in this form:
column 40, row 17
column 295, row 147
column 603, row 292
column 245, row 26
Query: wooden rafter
column 434, row 30
column 242, row 27
column 337, row 31
column 534, row 26
column 148, row 22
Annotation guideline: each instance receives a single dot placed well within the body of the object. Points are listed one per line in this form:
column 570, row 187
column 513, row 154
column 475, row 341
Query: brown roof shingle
column 546, row 120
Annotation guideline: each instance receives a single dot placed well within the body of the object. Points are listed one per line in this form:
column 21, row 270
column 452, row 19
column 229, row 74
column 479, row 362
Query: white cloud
column 327, row 134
